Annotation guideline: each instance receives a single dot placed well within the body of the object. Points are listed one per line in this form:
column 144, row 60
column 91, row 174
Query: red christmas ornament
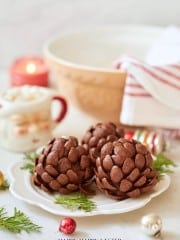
column 67, row 225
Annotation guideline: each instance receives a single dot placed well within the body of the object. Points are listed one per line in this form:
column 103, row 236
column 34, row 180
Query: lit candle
column 29, row 70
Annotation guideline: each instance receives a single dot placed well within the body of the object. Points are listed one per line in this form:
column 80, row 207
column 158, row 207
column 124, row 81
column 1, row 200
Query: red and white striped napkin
column 151, row 94
column 152, row 89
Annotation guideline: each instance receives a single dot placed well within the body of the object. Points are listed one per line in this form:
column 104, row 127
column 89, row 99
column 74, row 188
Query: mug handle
column 63, row 110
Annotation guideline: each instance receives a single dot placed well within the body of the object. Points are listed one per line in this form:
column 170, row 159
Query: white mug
column 26, row 121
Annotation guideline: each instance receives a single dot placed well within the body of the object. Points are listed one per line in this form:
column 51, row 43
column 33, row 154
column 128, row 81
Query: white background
column 26, row 24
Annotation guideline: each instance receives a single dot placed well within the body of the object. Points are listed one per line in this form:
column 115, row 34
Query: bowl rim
column 47, row 52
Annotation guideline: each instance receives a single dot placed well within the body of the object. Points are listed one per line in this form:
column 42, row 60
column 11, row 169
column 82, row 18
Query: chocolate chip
column 152, row 174
column 51, row 170
column 146, row 172
column 99, row 132
column 45, row 188
column 93, row 153
column 118, row 160
column 85, row 162
column 93, row 142
column 128, row 166
column 121, row 151
column 73, row 177
column 140, row 148
column 36, row 179
column 107, row 149
column 72, row 187
column 63, row 179
column 54, row 184
column 140, row 161
column 107, row 163
column 130, row 147
column 73, row 155
column 116, row 174
column 140, row 182
column 146, row 189
column 134, row 175
column 100, row 143
column 39, row 168
column 134, row 193
column 64, row 165
column 107, row 184
column 101, row 172
column 71, row 142
column 59, row 147
column 98, row 162
column 125, row 185
column 52, row 158
column 64, row 190
column 150, row 186
column 148, row 159
column 46, row 177
column 112, row 138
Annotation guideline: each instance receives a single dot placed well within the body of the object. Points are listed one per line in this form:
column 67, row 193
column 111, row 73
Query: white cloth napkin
column 152, row 92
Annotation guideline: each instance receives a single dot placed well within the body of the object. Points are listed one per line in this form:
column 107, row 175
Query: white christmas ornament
column 152, row 224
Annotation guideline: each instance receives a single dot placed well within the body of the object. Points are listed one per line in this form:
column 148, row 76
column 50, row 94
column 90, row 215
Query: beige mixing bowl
column 81, row 64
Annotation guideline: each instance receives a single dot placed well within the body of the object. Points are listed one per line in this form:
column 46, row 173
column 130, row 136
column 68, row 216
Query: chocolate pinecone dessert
column 97, row 136
column 124, row 170
column 63, row 166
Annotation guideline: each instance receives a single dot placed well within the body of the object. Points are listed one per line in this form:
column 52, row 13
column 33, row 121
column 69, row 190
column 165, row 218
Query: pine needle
column 75, row 201
column 29, row 159
column 162, row 164
column 4, row 186
column 17, row 223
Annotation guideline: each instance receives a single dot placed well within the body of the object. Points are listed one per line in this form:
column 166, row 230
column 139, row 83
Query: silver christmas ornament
column 152, row 224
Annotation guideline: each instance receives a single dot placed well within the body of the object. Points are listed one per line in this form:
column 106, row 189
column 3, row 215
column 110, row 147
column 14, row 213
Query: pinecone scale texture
column 96, row 136
column 124, row 170
column 63, row 166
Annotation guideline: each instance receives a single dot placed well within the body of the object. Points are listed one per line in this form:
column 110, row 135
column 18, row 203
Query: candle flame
column 31, row 68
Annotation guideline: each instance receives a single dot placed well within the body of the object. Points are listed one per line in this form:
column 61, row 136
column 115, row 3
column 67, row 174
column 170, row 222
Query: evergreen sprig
column 76, row 201
column 29, row 159
column 162, row 164
column 4, row 186
column 17, row 223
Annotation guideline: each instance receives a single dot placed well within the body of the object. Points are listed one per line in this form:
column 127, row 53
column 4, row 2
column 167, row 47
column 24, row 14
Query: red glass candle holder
column 29, row 70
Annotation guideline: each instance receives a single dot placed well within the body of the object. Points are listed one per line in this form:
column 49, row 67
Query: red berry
column 67, row 225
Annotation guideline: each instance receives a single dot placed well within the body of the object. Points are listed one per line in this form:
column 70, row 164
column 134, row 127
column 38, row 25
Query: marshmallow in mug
column 25, row 117
column 25, row 93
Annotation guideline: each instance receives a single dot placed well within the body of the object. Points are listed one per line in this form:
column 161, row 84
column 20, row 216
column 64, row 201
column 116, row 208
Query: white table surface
column 124, row 226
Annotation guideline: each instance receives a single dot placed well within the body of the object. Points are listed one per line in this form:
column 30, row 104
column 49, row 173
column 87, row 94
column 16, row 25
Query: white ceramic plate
column 22, row 188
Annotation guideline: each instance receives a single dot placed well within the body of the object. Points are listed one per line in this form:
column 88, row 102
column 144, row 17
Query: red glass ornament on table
column 67, row 225
column 29, row 70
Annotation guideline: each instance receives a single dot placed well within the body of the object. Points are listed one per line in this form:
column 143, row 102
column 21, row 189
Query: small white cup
column 26, row 121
